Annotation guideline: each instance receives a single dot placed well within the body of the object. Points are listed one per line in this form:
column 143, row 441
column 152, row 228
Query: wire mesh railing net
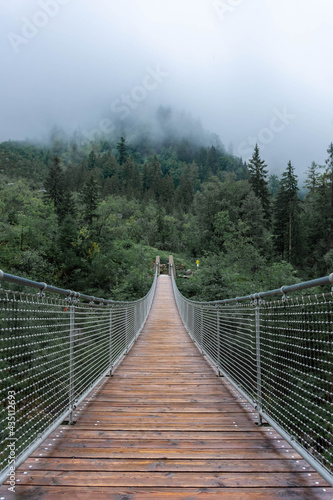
column 35, row 360
column 53, row 352
column 279, row 354
column 296, row 370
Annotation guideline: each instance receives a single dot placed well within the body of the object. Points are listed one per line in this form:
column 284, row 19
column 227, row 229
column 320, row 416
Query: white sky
column 234, row 63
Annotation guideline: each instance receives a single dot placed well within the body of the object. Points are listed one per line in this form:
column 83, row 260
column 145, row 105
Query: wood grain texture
column 166, row 427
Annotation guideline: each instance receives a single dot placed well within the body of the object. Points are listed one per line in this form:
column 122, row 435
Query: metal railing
column 54, row 352
column 278, row 353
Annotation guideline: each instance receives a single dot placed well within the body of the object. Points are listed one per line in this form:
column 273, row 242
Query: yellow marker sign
column 197, row 262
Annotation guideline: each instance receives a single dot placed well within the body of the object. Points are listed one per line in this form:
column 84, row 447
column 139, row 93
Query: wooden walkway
column 166, row 427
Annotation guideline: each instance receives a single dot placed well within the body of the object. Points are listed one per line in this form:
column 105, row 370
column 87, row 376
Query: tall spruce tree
column 273, row 185
column 316, row 220
column 258, row 179
column 287, row 217
column 212, row 161
column 90, row 198
column 110, row 166
column 152, row 179
column 55, row 185
column 131, row 185
column 67, row 207
column 122, row 151
column 312, row 180
column 92, row 161
column 185, row 192
column 167, row 194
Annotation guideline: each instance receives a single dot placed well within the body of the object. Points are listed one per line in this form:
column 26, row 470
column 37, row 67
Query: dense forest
column 90, row 213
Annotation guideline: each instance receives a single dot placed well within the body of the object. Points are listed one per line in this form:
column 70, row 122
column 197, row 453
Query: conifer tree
column 185, row 193
column 187, row 184
column 122, row 151
column 55, row 185
column 316, row 219
column 130, row 178
column 212, row 161
column 167, row 194
column 286, row 217
column 254, row 218
column 312, row 180
column 67, row 207
column 258, row 179
column 273, row 185
column 152, row 178
column 110, row 166
column 92, row 161
column 90, row 197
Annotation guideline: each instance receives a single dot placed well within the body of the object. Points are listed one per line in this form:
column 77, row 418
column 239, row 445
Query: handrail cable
column 278, row 354
column 55, row 351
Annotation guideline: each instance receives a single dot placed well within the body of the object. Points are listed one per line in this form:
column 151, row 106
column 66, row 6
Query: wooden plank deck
column 166, row 427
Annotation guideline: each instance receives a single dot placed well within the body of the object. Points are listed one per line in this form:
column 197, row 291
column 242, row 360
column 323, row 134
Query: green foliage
column 241, row 271
column 273, row 185
column 317, row 218
column 89, row 197
column 122, row 151
column 100, row 222
column 55, row 185
column 287, row 218
column 92, row 161
column 258, row 179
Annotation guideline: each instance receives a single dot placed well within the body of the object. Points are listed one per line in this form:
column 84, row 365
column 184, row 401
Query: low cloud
column 235, row 64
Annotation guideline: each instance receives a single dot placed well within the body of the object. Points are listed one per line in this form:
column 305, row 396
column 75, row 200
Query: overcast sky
column 252, row 70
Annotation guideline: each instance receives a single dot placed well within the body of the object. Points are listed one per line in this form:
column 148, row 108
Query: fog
column 248, row 70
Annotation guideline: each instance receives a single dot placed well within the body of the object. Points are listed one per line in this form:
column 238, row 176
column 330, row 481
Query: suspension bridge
column 165, row 397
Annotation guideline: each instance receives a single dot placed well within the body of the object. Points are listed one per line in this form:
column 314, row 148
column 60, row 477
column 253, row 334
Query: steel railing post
column 140, row 314
column 186, row 314
column 71, row 362
column 258, row 357
column 110, row 342
column 201, row 330
column 127, row 330
column 135, row 321
column 218, row 341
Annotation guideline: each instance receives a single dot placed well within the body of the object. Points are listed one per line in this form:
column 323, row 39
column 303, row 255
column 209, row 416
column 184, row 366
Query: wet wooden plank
column 118, row 493
column 106, row 408
column 156, row 453
column 166, row 427
column 171, row 479
column 70, row 433
column 169, row 465
column 171, row 444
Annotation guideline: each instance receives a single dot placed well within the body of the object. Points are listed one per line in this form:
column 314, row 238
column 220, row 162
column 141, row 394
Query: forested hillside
column 91, row 214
